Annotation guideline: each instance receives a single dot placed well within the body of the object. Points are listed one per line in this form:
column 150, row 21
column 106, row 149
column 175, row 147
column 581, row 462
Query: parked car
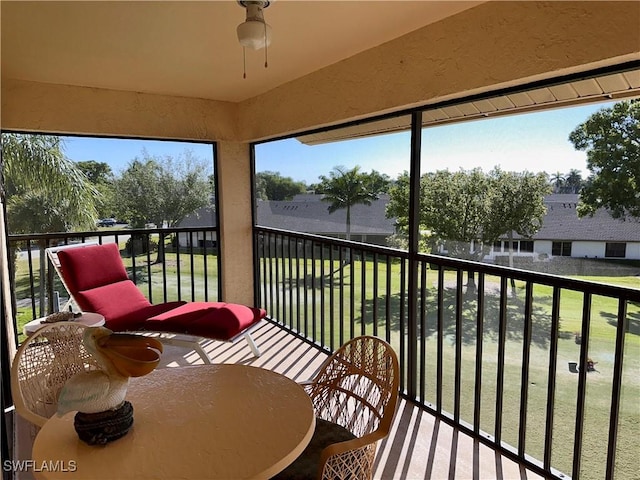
column 107, row 222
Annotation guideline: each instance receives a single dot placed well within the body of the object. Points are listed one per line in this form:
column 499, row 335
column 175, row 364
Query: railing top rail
column 104, row 233
column 336, row 241
column 548, row 279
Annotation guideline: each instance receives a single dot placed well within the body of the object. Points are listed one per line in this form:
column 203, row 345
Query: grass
column 306, row 288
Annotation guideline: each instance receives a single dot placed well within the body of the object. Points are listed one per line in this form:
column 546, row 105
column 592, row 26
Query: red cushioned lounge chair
column 97, row 281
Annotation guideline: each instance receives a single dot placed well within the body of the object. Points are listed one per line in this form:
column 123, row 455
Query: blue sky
column 118, row 152
column 534, row 142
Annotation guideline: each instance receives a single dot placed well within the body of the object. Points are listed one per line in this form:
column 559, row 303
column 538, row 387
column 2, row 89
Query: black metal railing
column 494, row 351
column 166, row 263
column 543, row 368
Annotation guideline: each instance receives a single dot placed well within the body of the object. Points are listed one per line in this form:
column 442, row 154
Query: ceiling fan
column 254, row 32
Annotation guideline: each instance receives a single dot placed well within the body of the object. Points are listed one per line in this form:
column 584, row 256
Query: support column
column 235, row 229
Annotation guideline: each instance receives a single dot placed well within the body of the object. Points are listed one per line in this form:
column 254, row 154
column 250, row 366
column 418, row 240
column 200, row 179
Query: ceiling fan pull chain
column 244, row 62
column 266, row 45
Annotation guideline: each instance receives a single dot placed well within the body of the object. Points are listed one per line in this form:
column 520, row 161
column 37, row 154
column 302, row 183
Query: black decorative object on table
column 104, row 427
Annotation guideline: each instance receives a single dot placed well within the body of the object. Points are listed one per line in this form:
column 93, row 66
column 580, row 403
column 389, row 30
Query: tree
column 38, row 178
column 518, row 204
column 377, row 182
column 573, row 181
column 96, row 172
column 162, row 190
column 398, row 205
column 467, row 211
column 557, row 180
column 345, row 188
column 102, row 178
column 273, row 186
column 456, row 208
column 138, row 192
column 611, row 139
column 43, row 190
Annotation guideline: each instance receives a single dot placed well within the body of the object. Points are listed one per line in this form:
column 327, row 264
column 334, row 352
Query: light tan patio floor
column 419, row 446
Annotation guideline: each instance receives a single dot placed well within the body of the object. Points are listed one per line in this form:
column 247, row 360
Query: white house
column 203, row 217
column 564, row 234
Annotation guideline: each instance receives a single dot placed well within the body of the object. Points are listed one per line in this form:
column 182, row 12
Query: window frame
column 613, row 250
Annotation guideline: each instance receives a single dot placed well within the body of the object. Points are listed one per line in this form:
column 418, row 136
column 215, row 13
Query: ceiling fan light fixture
column 254, row 32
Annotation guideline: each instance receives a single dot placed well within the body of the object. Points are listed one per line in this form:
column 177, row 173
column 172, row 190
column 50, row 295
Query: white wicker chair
column 354, row 395
column 43, row 364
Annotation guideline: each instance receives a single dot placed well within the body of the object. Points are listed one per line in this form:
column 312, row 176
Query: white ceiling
column 189, row 48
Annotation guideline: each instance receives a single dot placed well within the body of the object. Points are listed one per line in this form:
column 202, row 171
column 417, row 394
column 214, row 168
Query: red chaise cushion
column 218, row 320
column 122, row 305
column 84, row 268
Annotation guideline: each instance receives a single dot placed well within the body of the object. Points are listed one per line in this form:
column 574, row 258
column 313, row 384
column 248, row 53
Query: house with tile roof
column 307, row 213
column 564, row 234
column 203, row 217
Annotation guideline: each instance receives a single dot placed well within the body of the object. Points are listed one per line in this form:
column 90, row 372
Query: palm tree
column 42, row 190
column 345, row 188
column 34, row 167
column 557, row 180
column 573, row 181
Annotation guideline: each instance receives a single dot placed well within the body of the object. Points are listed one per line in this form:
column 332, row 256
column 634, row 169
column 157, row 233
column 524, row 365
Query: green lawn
column 307, row 304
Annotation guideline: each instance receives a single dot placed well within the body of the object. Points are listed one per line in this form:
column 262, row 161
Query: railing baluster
column 403, row 325
column 363, row 293
column 263, row 273
column 375, row 294
column 205, row 266
column 178, row 273
column 477, row 400
column 341, row 295
column 458, row 361
column 551, row 387
column 132, row 251
column 271, row 283
column 280, row 280
column 32, row 288
column 387, row 309
column 276, row 283
column 423, row 330
column 191, row 264
column 616, row 387
column 305, row 287
column 582, row 386
column 323, row 340
column 352, row 295
column 440, row 339
column 332, row 330
column 313, row 292
column 147, row 244
column 502, row 337
column 524, row 376
column 164, row 276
